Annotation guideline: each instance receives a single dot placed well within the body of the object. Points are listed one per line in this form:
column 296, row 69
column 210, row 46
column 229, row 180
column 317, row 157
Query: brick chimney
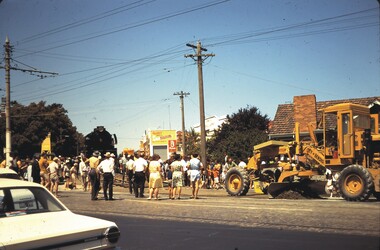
column 305, row 111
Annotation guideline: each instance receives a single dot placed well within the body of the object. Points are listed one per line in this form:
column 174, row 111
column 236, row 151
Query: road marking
column 187, row 204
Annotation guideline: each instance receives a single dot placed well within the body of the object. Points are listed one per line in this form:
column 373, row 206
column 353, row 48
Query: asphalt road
column 218, row 221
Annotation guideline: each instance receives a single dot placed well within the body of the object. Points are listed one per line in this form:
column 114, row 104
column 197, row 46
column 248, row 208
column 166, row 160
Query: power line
column 227, row 41
column 76, row 86
column 83, row 21
column 149, row 21
column 237, row 37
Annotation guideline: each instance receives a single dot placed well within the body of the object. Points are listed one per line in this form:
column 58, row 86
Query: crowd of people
column 47, row 173
column 137, row 171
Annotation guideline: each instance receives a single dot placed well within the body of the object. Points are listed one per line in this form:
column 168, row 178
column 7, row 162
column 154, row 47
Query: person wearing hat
column 93, row 162
column 106, row 167
column 52, row 169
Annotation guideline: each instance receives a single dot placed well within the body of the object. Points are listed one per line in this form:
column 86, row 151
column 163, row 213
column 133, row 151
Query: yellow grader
column 349, row 146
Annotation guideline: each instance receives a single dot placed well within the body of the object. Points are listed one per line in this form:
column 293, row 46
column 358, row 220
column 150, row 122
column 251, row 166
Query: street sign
column 172, row 146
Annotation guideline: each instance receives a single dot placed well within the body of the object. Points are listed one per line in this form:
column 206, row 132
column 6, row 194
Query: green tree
column 239, row 134
column 192, row 142
column 31, row 124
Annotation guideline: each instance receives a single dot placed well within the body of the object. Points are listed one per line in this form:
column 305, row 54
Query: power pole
column 8, row 68
column 7, row 48
column 198, row 57
column 181, row 95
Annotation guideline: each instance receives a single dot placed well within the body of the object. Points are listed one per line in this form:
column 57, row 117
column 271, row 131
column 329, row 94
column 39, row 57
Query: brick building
column 304, row 110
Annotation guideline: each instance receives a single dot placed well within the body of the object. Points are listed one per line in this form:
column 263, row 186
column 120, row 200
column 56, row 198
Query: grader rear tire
column 237, row 182
column 355, row 183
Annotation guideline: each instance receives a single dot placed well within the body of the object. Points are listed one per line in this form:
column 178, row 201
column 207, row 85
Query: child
column 203, row 179
column 169, row 179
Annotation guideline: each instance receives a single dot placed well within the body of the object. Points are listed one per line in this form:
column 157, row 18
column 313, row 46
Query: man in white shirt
column 106, row 167
column 139, row 168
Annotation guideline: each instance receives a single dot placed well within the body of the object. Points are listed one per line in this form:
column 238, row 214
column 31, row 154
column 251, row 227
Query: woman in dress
column 155, row 179
column 177, row 170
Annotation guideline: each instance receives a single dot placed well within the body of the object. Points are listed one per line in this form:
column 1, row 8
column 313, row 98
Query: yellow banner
column 46, row 145
column 161, row 137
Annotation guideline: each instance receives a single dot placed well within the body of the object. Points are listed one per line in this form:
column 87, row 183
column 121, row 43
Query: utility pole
column 7, row 48
column 181, row 95
column 198, row 57
column 8, row 68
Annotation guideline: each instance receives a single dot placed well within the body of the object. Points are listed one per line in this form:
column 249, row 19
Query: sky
column 119, row 63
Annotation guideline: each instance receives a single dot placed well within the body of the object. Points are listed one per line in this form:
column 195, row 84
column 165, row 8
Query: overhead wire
column 84, row 21
column 236, row 39
column 321, row 22
column 83, row 84
column 135, row 62
column 143, row 23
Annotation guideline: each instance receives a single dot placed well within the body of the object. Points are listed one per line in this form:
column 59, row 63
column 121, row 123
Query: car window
column 28, row 200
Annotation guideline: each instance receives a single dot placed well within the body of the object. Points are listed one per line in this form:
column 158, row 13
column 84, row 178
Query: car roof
column 5, row 182
column 7, row 171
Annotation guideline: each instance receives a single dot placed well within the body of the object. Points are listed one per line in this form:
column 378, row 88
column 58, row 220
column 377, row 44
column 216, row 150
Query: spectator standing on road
column 195, row 175
column 36, row 177
column 93, row 162
column 66, row 174
column 73, row 175
column 106, row 167
column 169, row 177
column 123, row 165
column 129, row 168
column 216, row 173
column 54, row 179
column 177, row 170
column 210, row 177
column 23, row 170
column 204, row 179
column 155, row 179
column 29, row 169
column 43, row 163
column 139, row 169
column 83, row 171
column 186, row 179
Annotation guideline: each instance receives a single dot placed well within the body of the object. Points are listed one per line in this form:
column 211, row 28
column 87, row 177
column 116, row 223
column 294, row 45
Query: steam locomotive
column 100, row 140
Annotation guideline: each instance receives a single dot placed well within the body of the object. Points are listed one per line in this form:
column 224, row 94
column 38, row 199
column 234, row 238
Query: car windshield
column 27, row 200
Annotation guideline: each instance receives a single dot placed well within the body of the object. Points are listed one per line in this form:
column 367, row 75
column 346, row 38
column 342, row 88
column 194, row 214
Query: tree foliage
column 192, row 142
column 239, row 134
column 31, row 124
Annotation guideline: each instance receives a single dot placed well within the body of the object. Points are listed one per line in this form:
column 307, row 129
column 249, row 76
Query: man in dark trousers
column 139, row 168
column 106, row 167
column 36, row 169
column 94, row 175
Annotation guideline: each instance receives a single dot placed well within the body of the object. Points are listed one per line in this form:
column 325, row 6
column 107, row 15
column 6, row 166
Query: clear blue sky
column 119, row 62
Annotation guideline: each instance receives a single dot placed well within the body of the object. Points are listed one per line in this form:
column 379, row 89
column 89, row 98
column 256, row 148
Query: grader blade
column 316, row 187
column 306, row 188
column 277, row 188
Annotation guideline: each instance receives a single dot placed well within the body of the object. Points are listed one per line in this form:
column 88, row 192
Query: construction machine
column 346, row 143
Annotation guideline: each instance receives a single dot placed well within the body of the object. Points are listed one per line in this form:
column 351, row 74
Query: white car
column 8, row 173
column 32, row 218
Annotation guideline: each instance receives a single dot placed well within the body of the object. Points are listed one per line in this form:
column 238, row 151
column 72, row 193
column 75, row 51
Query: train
column 100, row 140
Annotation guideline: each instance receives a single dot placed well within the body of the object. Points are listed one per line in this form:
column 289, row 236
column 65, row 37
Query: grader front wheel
column 237, row 182
column 355, row 183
